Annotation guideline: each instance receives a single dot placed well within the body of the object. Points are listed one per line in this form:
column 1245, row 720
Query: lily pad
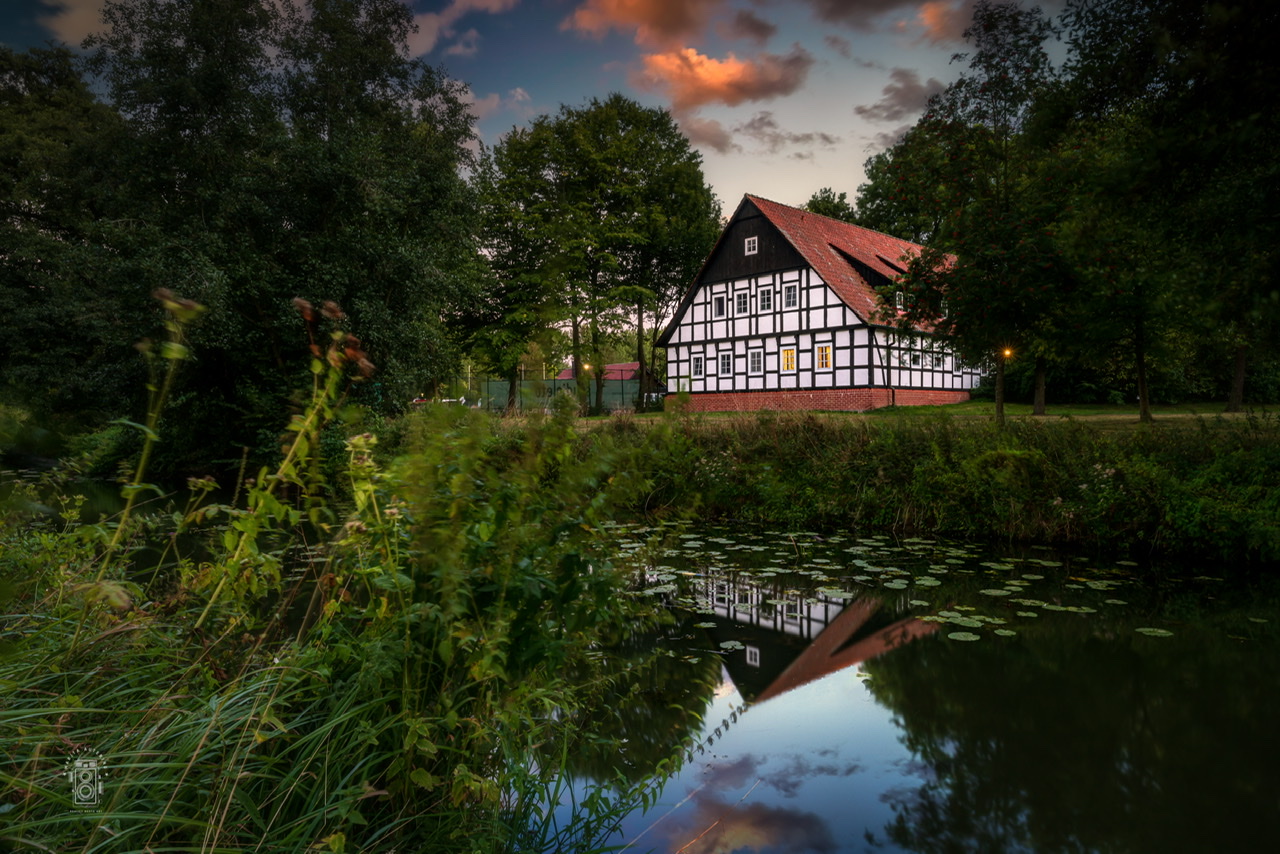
column 1006, row 633
column 1154, row 633
column 993, row 591
column 705, row 625
column 926, row 581
column 966, row 622
column 963, row 636
column 731, row 644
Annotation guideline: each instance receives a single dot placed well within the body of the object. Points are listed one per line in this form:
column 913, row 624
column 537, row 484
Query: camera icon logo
column 86, row 773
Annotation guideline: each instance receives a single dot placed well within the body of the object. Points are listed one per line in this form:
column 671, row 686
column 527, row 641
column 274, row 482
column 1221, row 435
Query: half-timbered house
column 785, row 315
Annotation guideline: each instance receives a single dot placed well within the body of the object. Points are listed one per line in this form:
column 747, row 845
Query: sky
column 781, row 97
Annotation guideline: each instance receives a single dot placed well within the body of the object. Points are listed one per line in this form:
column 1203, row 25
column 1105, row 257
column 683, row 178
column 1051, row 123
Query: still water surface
column 833, row 694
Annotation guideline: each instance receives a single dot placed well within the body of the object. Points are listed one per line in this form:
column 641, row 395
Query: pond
column 832, row 694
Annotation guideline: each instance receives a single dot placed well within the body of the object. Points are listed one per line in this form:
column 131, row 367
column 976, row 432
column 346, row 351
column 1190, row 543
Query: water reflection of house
column 790, row 639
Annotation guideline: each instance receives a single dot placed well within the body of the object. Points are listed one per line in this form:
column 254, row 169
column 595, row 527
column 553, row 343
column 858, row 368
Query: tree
column 276, row 151
column 826, row 203
column 62, row 354
column 915, row 186
column 1190, row 88
column 602, row 212
column 996, row 289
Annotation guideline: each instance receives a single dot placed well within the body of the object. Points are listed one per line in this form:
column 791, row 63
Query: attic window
column 752, row 246
column 899, row 301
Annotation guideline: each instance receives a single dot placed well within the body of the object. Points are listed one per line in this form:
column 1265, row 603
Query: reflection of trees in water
column 647, row 705
column 1049, row 743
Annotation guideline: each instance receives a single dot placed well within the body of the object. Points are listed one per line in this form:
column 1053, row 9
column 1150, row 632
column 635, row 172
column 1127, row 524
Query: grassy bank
column 1193, row 485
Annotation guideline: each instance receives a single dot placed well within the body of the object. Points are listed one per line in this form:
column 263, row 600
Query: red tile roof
column 825, row 242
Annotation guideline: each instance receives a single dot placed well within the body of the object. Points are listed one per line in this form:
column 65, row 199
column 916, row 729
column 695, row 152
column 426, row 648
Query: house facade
column 784, row 315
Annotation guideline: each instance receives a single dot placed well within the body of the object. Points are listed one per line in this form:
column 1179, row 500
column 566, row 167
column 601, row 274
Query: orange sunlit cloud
column 945, row 20
column 656, row 23
column 72, row 20
column 692, row 79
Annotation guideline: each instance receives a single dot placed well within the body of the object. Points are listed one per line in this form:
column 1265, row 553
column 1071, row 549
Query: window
column 899, row 301
column 755, row 361
column 696, row 369
column 788, row 359
column 946, row 311
column 752, row 245
column 726, row 363
column 766, row 299
column 790, row 296
column 753, row 656
column 718, row 305
column 740, row 302
column 824, row 357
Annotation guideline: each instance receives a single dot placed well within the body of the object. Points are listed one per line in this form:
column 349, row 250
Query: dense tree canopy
column 1115, row 216
column 258, row 152
column 596, row 219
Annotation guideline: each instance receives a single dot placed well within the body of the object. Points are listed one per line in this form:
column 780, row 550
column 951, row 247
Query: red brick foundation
column 847, row 399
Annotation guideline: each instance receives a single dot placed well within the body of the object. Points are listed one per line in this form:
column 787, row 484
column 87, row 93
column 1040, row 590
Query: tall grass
column 1203, row 489
column 388, row 676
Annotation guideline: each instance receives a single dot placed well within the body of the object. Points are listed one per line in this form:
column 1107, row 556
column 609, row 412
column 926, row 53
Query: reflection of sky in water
column 768, row 785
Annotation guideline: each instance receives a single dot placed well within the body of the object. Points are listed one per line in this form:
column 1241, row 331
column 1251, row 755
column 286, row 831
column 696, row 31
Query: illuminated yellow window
column 824, row 357
column 788, row 359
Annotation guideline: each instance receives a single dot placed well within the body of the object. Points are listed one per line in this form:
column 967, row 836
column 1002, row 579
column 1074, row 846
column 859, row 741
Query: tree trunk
column 643, row 401
column 1000, row 389
column 1235, row 399
column 513, row 389
column 1041, row 370
column 1140, row 353
column 579, row 381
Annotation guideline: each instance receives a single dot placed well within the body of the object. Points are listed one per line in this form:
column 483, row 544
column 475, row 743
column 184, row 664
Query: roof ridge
column 835, row 220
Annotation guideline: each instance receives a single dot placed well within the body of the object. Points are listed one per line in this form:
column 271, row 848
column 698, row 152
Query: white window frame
column 726, row 363
column 819, row 352
column 782, row 360
column 790, row 296
column 899, row 301
column 751, row 246
column 755, row 361
column 697, row 367
column 765, row 298
column 741, row 303
column 718, row 306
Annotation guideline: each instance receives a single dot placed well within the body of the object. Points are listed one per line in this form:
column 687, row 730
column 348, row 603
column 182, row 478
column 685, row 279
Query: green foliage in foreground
column 382, row 682
column 1205, row 488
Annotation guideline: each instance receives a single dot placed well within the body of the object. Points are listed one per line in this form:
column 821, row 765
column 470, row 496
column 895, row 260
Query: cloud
column 859, row 14
column 707, row 132
column 71, row 21
column 839, row 45
column 904, row 96
column 938, row 20
column 692, row 79
column 889, row 139
column 751, row 827
column 654, row 23
column 764, row 128
column 466, row 45
column 945, row 20
column 516, row 100
column 747, row 25
column 432, row 26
